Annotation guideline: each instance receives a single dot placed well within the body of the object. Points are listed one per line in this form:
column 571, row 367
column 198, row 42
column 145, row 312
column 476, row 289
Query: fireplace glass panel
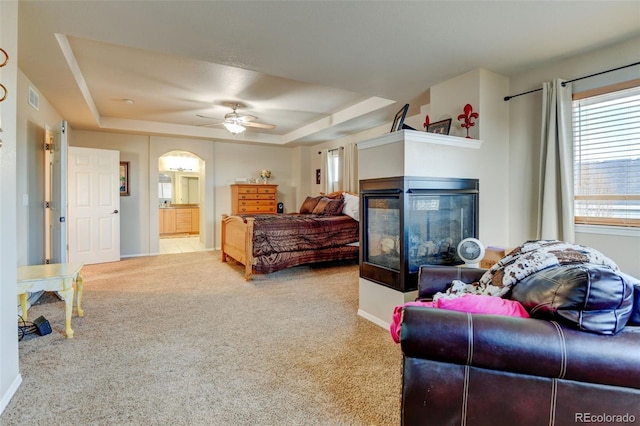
column 436, row 224
column 383, row 232
column 410, row 221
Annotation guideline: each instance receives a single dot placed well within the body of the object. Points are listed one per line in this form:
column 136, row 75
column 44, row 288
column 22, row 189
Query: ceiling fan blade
column 210, row 124
column 259, row 125
column 247, row 117
column 207, row 117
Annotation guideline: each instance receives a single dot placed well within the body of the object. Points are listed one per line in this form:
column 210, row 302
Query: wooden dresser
column 253, row 198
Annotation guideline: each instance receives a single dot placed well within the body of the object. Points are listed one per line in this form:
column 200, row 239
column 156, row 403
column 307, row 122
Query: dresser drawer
column 266, row 190
column 257, row 203
column 247, row 190
column 256, row 209
column 257, row 196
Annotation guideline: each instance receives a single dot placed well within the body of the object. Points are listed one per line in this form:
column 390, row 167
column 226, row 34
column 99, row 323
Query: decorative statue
column 467, row 116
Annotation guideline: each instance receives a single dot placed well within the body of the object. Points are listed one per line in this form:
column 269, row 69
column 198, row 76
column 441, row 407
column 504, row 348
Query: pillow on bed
column 329, row 207
column 309, row 204
column 351, row 206
column 332, row 195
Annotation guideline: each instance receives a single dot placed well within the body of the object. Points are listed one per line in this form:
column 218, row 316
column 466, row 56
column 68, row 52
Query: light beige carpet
column 184, row 340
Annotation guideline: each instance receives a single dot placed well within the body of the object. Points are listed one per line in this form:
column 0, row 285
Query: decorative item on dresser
column 253, row 199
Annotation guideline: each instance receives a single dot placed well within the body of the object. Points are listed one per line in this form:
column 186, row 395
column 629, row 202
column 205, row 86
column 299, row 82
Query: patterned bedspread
column 284, row 240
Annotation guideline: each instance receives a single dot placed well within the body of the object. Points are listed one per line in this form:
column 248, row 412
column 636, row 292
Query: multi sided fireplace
column 412, row 221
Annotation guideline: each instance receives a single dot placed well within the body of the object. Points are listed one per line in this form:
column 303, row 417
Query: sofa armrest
column 521, row 345
column 435, row 278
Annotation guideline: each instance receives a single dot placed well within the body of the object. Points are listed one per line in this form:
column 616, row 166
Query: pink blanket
column 473, row 303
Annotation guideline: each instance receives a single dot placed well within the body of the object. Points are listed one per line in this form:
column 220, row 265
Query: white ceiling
column 318, row 70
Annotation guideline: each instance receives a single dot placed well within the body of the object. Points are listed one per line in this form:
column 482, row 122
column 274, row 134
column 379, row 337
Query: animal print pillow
column 329, row 207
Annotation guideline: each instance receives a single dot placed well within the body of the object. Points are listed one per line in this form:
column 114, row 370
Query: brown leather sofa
column 473, row 369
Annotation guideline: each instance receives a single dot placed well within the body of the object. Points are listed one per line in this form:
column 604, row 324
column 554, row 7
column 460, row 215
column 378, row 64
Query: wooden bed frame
column 237, row 241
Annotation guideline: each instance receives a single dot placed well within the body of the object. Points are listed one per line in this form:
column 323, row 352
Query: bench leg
column 79, row 295
column 23, row 305
column 68, row 310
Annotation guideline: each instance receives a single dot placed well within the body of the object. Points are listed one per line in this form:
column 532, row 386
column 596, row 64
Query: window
column 606, row 144
column 334, row 169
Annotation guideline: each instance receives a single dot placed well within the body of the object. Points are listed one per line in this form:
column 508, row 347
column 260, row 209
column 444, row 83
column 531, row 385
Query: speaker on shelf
column 280, row 207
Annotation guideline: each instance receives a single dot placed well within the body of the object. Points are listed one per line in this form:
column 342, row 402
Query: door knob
column 115, row 211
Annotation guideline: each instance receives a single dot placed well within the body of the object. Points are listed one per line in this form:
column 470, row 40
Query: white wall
column 10, row 378
column 233, row 160
column 484, row 91
column 30, row 172
column 524, row 135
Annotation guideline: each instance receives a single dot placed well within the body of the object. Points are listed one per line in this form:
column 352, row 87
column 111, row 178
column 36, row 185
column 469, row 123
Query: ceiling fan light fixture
column 234, row 128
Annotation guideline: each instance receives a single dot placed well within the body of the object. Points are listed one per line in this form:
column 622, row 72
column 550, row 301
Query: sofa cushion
column 586, row 296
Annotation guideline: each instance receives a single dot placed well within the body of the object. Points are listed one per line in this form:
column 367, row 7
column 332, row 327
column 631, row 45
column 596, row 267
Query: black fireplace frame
column 403, row 187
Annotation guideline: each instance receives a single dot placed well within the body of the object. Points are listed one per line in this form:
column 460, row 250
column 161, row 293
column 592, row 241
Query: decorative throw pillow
column 586, row 296
column 329, row 207
column 351, row 206
column 309, row 204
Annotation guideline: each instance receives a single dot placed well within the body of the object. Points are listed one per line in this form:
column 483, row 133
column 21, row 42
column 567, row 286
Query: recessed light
column 128, row 101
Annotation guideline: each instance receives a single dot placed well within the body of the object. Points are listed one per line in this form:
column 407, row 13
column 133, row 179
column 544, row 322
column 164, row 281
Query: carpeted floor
column 184, row 340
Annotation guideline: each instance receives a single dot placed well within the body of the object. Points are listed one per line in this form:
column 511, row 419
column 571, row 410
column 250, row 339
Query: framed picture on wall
column 124, row 178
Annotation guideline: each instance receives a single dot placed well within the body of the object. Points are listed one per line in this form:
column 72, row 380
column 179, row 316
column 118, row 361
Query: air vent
column 34, row 99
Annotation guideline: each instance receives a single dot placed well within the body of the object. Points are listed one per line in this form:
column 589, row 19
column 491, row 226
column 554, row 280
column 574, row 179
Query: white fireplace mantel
column 420, row 137
column 414, row 153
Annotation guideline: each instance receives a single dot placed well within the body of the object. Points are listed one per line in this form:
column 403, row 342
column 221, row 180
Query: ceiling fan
column 237, row 123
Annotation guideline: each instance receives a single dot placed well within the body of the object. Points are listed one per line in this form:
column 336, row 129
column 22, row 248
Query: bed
column 325, row 229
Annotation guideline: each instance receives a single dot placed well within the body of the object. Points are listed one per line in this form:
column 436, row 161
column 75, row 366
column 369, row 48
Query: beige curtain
column 555, row 207
column 350, row 168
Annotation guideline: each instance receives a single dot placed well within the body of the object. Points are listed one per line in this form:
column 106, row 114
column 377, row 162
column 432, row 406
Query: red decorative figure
column 426, row 122
column 467, row 116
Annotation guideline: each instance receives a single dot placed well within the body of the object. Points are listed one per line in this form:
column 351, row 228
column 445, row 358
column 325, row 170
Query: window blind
column 606, row 134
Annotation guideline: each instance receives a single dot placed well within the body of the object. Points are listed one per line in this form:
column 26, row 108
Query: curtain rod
column 564, row 83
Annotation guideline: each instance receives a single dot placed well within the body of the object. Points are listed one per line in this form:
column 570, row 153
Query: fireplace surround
column 411, row 221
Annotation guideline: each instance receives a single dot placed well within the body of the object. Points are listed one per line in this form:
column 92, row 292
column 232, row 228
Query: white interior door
column 58, row 201
column 94, row 205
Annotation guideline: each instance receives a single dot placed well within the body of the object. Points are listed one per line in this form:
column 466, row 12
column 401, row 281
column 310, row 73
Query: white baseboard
column 6, row 398
column 373, row 319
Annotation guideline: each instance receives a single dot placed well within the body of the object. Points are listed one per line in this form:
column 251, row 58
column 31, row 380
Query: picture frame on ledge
column 398, row 121
column 440, row 127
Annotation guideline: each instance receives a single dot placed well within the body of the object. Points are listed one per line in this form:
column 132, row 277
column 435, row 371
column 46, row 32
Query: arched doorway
column 180, row 195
